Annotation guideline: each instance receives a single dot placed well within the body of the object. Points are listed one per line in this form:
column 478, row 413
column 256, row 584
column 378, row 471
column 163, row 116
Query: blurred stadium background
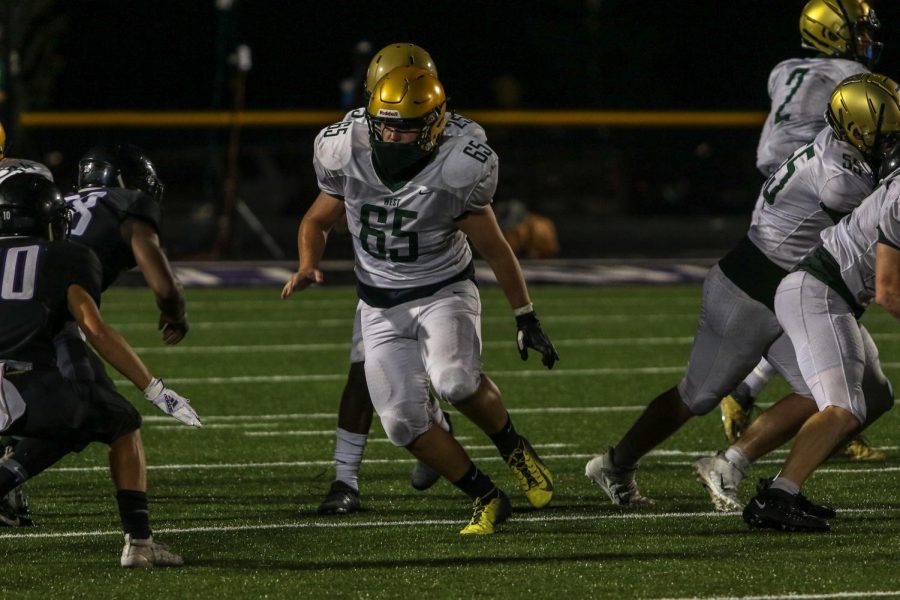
column 662, row 103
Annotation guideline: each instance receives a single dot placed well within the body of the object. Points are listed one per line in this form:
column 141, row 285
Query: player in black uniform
column 11, row 167
column 45, row 282
column 116, row 213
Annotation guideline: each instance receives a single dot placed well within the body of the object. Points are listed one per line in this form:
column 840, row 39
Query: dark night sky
column 594, row 54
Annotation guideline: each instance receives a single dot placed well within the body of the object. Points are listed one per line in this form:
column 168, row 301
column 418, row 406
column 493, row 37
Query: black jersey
column 98, row 213
column 36, row 275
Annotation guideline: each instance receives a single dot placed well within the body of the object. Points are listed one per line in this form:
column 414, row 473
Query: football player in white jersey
column 842, row 32
column 355, row 411
column 413, row 200
column 819, row 306
column 818, row 185
column 867, row 109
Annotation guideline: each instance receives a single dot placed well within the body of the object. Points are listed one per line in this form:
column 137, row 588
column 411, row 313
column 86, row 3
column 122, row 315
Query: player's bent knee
column 401, row 432
column 128, row 421
column 456, row 384
column 698, row 403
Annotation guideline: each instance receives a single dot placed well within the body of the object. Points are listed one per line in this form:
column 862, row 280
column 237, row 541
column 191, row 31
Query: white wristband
column 154, row 389
column 524, row 310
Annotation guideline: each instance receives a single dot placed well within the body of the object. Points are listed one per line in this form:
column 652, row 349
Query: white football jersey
column 800, row 89
column 819, row 184
column 19, row 166
column 852, row 241
column 456, row 124
column 406, row 238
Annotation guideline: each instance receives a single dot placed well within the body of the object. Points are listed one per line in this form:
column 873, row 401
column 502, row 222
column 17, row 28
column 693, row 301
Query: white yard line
column 301, row 323
column 400, row 461
column 282, row 378
column 794, row 596
column 342, row 376
column 300, row 305
column 340, row 524
column 263, row 348
column 333, row 415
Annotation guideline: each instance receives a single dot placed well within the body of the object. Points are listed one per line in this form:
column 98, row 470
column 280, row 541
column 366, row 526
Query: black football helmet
column 30, row 205
column 890, row 164
column 119, row 166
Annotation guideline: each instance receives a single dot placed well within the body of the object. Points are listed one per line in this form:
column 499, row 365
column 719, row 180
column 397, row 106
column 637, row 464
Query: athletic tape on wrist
column 524, row 310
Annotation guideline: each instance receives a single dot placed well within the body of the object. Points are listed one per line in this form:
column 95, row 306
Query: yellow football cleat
column 859, row 448
column 734, row 418
column 532, row 475
column 487, row 515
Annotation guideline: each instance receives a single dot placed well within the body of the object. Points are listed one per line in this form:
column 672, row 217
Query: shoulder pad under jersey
column 458, row 125
column 356, row 114
column 334, row 144
column 467, row 161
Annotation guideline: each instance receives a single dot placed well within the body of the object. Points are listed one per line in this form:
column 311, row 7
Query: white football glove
column 171, row 403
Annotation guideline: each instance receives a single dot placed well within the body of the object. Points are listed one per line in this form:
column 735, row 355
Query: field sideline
column 238, row 497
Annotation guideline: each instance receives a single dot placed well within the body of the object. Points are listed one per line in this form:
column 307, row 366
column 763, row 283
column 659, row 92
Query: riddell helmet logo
column 385, row 112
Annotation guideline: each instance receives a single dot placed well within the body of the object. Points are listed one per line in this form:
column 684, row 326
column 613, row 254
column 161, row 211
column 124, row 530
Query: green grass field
column 238, row 497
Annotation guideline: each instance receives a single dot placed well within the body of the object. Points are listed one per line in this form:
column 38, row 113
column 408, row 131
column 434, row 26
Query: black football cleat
column 776, row 509
column 341, row 500
column 823, row 511
column 13, row 511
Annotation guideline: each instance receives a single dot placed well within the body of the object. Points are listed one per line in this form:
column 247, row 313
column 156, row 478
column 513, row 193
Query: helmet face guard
column 426, row 139
column 863, row 30
column 841, row 29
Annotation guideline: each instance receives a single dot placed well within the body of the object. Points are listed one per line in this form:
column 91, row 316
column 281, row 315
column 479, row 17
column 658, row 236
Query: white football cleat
column 145, row 553
column 618, row 483
column 721, row 479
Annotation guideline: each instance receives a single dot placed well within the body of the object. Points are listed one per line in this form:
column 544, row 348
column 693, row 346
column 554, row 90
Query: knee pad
column 456, row 384
column 401, row 432
column 697, row 404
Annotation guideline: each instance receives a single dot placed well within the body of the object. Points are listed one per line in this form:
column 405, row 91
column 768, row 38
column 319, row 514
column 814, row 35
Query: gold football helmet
column 841, row 29
column 864, row 110
column 409, row 98
column 2, row 141
column 397, row 55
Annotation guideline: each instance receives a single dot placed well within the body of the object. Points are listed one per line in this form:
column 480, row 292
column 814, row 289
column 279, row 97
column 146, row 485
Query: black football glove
column 173, row 328
column 531, row 335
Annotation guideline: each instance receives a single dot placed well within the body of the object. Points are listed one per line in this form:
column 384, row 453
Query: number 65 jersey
column 406, row 238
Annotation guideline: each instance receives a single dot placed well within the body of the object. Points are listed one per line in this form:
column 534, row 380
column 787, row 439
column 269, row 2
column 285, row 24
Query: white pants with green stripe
column 837, row 356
